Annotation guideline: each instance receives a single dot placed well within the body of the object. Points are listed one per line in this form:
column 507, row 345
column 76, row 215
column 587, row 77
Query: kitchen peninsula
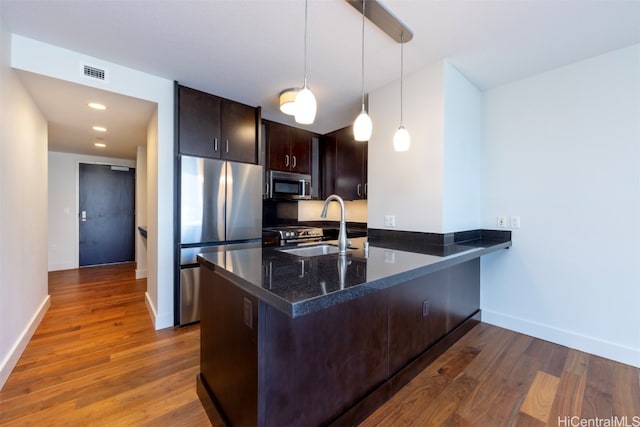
column 293, row 339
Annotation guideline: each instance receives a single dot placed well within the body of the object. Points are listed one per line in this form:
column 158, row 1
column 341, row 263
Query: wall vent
column 94, row 73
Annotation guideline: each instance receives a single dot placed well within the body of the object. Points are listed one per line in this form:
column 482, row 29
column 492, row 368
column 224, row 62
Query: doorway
column 106, row 200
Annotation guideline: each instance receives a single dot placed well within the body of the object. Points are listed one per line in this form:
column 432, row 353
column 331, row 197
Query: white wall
column 462, row 153
column 141, row 210
column 562, row 151
column 23, row 214
column 63, row 219
column 42, row 58
column 408, row 185
column 159, row 298
column 310, row 210
column 433, row 187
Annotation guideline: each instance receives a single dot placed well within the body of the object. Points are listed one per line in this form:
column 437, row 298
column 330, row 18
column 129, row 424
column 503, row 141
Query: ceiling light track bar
column 383, row 19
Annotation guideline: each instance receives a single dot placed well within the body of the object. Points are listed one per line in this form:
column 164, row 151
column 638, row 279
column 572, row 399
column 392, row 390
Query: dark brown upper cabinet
column 288, row 148
column 210, row 126
column 344, row 165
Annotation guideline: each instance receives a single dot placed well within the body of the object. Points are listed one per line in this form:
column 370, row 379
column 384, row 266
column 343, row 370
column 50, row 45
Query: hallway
column 96, row 360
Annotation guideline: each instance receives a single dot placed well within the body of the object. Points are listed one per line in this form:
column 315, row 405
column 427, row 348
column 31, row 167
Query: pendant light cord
column 401, row 76
column 306, row 6
column 362, row 56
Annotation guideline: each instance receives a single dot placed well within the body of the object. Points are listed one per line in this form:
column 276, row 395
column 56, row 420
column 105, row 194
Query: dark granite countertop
column 300, row 285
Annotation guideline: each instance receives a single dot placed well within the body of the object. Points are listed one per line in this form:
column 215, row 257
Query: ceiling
column 71, row 121
column 249, row 50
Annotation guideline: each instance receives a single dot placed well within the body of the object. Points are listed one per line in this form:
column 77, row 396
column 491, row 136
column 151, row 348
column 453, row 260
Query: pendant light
column 401, row 139
column 305, row 109
column 362, row 127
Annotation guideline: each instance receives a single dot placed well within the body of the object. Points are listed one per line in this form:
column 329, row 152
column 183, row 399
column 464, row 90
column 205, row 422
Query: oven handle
column 303, row 186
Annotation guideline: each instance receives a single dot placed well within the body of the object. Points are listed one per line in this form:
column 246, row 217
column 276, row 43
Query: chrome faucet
column 342, row 235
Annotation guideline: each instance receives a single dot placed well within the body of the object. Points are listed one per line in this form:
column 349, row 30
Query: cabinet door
column 229, row 346
column 464, row 292
column 365, row 170
column 199, row 128
column 349, row 165
column 417, row 317
column 239, row 131
column 278, row 151
column 300, row 151
column 328, row 155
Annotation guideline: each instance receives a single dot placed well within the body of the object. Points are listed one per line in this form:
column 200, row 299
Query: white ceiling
column 250, row 50
column 71, row 121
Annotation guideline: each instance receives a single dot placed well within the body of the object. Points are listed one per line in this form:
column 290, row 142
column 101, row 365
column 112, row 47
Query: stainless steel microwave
column 289, row 185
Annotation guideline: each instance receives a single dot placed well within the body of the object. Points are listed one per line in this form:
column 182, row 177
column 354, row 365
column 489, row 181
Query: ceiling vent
column 94, row 73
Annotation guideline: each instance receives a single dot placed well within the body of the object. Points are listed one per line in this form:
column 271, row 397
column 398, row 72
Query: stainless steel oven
column 289, row 186
column 291, row 235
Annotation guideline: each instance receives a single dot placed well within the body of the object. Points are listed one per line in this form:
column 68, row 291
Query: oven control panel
column 289, row 235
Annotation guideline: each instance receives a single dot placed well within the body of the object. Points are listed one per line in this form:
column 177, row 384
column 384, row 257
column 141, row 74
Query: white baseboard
column 18, row 348
column 151, row 308
column 141, row 274
column 164, row 321
column 62, row 266
column 159, row 322
column 591, row 345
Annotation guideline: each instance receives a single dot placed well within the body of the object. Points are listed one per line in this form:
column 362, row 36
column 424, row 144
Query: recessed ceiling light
column 100, row 144
column 97, row 106
column 100, row 128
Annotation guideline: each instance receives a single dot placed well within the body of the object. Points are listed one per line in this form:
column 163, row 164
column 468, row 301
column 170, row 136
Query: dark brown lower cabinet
column 259, row 367
column 417, row 317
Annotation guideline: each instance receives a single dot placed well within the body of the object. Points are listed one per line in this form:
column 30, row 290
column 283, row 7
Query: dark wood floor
column 96, row 360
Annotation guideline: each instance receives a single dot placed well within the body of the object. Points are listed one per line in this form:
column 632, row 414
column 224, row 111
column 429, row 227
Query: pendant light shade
column 305, row 109
column 401, row 139
column 363, row 126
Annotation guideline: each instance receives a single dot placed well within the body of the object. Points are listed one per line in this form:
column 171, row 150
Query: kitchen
column 564, row 204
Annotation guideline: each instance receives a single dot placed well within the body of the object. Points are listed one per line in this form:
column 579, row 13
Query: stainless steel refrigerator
column 220, row 205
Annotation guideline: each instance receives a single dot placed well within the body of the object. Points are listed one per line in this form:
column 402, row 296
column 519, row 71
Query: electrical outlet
column 389, row 220
column 390, row 257
column 502, row 222
column 426, row 308
column 515, row 222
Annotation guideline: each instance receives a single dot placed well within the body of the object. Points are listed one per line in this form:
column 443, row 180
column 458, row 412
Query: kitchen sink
column 312, row 250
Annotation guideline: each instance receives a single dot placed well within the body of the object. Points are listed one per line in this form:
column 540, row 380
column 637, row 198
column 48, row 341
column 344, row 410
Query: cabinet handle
column 227, row 145
column 215, row 144
column 359, row 188
column 294, row 162
column 366, row 188
column 286, row 160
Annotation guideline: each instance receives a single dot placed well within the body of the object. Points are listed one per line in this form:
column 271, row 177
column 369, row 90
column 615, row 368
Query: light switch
column 515, row 222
